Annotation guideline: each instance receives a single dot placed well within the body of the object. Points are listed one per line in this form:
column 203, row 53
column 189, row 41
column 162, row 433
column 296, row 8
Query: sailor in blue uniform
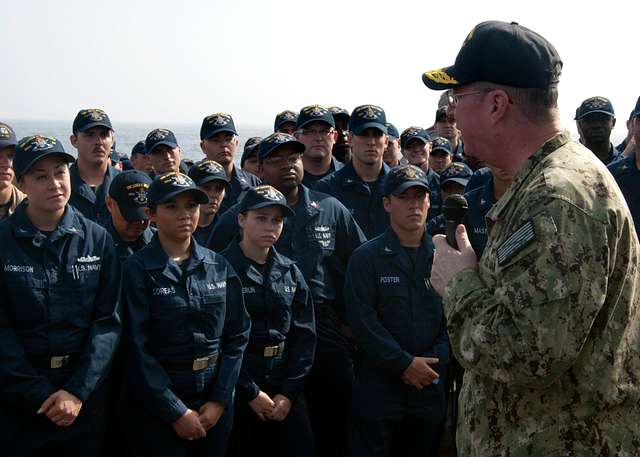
column 358, row 184
column 210, row 178
column 320, row 239
column 186, row 330
column 271, row 418
column 59, row 313
column 219, row 142
column 397, row 319
column 92, row 172
column 127, row 201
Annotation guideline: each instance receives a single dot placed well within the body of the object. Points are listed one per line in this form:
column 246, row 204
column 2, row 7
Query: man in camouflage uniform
column 546, row 323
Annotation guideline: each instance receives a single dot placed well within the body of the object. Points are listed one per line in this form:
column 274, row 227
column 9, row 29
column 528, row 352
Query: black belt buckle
column 273, row 351
column 204, row 362
column 59, row 361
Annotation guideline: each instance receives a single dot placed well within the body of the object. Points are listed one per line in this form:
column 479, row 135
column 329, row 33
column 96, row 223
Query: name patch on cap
column 516, row 243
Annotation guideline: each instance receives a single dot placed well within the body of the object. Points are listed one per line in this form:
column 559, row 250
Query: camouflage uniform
column 547, row 325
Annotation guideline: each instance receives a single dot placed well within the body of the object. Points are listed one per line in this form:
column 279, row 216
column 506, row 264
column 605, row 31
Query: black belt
column 190, row 365
column 51, row 362
column 266, row 351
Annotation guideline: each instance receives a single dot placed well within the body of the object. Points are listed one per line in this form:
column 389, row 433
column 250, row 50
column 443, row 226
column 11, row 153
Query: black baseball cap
column 441, row 113
column 403, row 177
column 594, row 105
column 275, row 140
column 89, row 118
column 416, row 132
column 367, row 116
column 138, row 148
column 392, row 131
column 337, row 112
column 636, row 110
column 7, row 136
column 284, row 117
column 32, row 148
column 501, row 53
column 216, row 123
column 129, row 190
column 206, row 171
column 315, row 113
column 160, row 136
column 169, row 185
column 441, row 144
column 457, row 172
column 263, row 196
column 250, row 148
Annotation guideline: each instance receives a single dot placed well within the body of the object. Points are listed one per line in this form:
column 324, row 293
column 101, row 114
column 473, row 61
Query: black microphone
column 454, row 209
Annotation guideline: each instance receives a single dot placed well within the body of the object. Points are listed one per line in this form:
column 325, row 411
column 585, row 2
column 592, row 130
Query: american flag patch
column 516, row 243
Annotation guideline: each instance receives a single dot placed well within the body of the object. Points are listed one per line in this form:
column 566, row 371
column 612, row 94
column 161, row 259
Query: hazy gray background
column 168, row 64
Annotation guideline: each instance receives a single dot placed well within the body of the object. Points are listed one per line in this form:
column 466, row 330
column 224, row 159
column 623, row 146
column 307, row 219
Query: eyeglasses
column 453, row 99
column 322, row 132
column 282, row 160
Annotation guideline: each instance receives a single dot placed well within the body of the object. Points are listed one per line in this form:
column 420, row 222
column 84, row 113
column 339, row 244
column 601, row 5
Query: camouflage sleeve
column 525, row 320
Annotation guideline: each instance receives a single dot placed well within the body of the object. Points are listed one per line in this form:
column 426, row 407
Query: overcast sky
column 169, row 61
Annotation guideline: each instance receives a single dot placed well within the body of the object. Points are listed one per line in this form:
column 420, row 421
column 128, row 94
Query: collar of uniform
column 277, row 263
column 351, row 178
column 335, row 165
column 80, row 187
column 391, row 243
column 155, row 258
column 487, row 198
column 306, row 207
column 23, row 227
column 529, row 167
column 240, row 176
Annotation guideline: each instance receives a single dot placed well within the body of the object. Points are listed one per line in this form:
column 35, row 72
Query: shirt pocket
column 321, row 237
column 29, row 300
column 73, row 299
column 213, row 310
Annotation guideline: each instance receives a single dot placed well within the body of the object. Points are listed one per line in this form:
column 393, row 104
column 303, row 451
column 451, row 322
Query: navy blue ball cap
column 138, row 148
column 32, row 148
column 594, row 105
column 636, row 110
column 502, row 53
column 276, row 140
column 338, row 112
column 392, row 131
column 160, row 136
column 365, row 117
column 403, row 177
column 441, row 144
column 441, row 113
column 217, row 123
column 129, row 189
column 250, row 148
column 206, row 171
column 7, row 136
column 169, row 185
column 89, row 118
column 263, row 196
column 414, row 132
column 457, row 172
column 284, row 117
column 315, row 113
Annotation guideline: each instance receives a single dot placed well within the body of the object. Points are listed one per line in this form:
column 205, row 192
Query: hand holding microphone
column 453, row 252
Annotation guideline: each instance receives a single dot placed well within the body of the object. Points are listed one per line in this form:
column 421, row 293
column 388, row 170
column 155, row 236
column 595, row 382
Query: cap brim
column 132, row 213
column 309, row 121
column 95, row 124
column 220, row 130
column 201, row 197
column 463, row 182
column 443, row 150
column 298, row 146
column 442, row 79
column 287, row 211
column 594, row 111
column 171, row 144
column 207, row 179
column 370, row 125
column 7, row 143
column 634, row 113
column 407, row 185
column 68, row 158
